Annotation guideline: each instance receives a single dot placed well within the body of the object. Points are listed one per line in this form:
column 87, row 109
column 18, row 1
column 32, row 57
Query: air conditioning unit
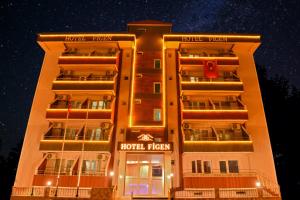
column 99, row 156
column 137, row 101
column 105, row 125
column 51, row 156
column 139, row 75
column 102, row 157
column 236, row 126
column 187, row 126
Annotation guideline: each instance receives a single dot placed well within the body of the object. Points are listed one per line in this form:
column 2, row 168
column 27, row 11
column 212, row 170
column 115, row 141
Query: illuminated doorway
column 144, row 175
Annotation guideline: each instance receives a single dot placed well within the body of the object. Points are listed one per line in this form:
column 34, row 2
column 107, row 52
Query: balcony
column 196, row 84
column 212, row 139
column 210, row 109
column 97, row 83
column 77, row 139
column 63, row 170
column 227, row 186
column 89, row 109
column 97, row 59
column 46, row 192
column 191, row 59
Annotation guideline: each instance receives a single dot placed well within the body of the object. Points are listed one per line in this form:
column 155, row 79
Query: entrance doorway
column 144, row 175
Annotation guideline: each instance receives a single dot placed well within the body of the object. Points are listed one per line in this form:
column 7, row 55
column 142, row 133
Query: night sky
column 21, row 57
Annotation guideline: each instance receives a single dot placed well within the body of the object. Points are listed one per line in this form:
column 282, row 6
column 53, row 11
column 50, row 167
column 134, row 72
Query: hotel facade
column 147, row 114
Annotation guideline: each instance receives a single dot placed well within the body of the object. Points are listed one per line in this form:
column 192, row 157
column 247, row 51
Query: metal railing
column 195, row 193
column 238, row 192
column 205, row 54
column 195, row 79
column 71, row 172
column 217, row 173
column 28, row 191
column 216, row 135
column 42, row 191
column 84, row 78
column 93, row 53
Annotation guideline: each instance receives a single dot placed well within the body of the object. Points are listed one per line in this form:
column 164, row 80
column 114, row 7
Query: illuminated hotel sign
column 203, row 39
column 211, row 38
column 153, row 146
column 86, row 37
column 145, row 144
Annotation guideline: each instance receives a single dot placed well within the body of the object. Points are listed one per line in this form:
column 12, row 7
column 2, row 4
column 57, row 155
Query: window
column 102, row 104
column 223, row 168
column 95, row 134
column 89, row 166
column 156, row 63
column 70, row 134
column 196, row 166
column 157, row 114
column 194, row 79
column 156, row 87
column 233, row 166
column 156, row 171
column 207, row 166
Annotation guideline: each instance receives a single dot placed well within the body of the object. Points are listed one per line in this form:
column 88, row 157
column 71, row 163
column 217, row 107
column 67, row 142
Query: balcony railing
column 232, row 106
column 78, row 134
column 92, row 53
column 207, row 54
column 198, row 193
column 71, row 172
column 84, row 78
column 218, row 134
column 196, row 79
column 42, row 191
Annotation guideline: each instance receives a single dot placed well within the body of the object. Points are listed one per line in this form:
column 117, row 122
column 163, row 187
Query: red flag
column 210, row 69
column 69, row 104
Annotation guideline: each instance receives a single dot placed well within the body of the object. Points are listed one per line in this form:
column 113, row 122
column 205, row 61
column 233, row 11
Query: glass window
column 94, row 105
column 199, row 168
column 144, row 169
column 98, row 134
column 223, row 168
column 196, row 166
column 156, row 171
column 70, row 133
column 233, row 166
column 156, row 63
column 99, row 104
column 207, row 166
column 157, row 114
column 193, row 166
column 156, row 88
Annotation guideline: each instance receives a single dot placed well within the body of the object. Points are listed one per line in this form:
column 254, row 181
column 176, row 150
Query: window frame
column 154, row 90
column 154, row 63
column 154, row 112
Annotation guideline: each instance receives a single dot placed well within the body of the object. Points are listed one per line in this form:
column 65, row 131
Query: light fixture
column 171, row 175
column 49, row 183
column 258, row 183
column 111, row 173
column 168, row 176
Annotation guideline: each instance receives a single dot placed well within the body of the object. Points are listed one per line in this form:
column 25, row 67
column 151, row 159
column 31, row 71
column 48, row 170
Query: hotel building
column 147, row 114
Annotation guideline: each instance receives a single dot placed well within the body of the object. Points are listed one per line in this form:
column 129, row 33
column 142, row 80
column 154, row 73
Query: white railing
column 28, row 191
column 195, row 193
column 84, row 192
column 63, row 192
column 217, row 173
column 53, row 191
column 238, row 193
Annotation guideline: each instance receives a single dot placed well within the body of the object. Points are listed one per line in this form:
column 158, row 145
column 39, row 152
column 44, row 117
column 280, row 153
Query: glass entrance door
column 144, row 175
